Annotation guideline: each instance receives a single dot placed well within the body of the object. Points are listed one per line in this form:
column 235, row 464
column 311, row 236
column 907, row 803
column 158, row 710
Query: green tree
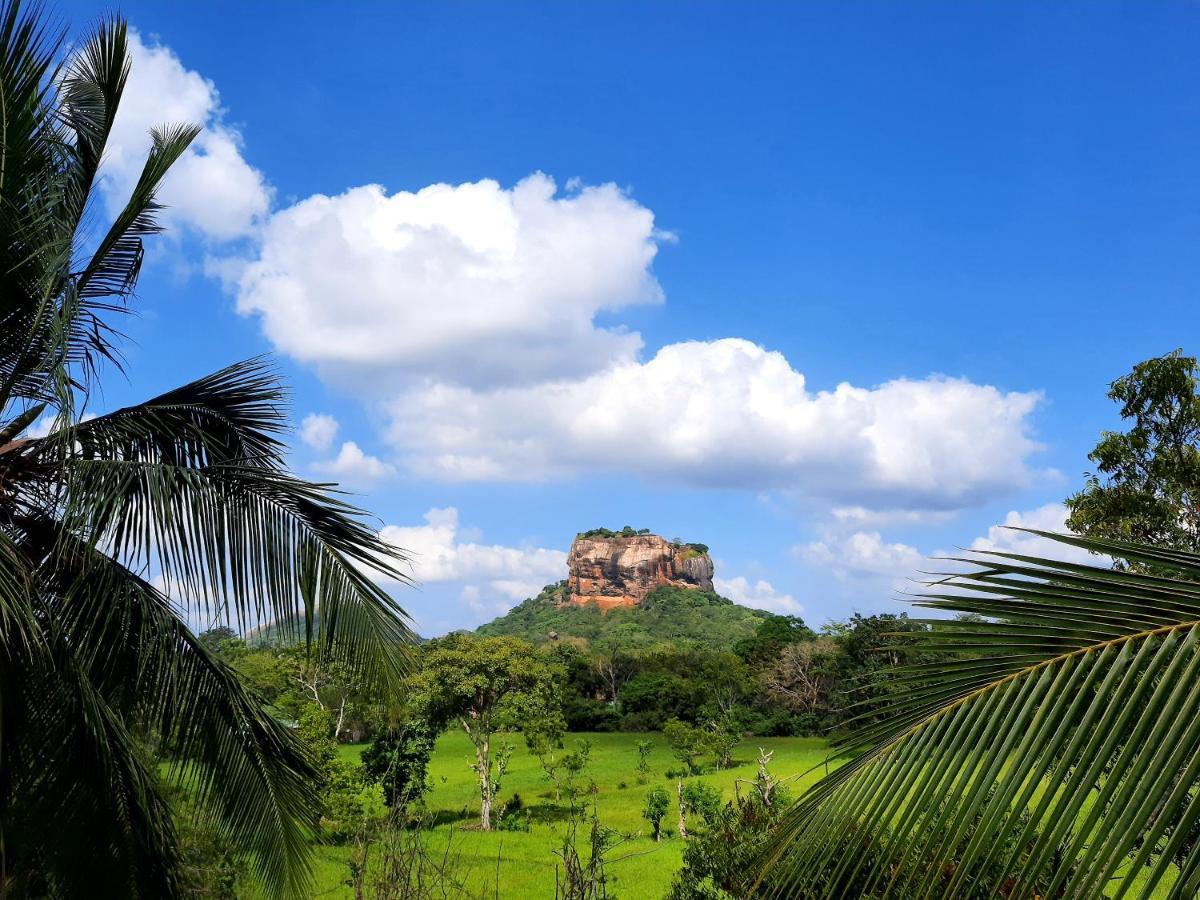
column 1147, row 481
column 687, row 742
column 355, row 703
column 644, row 749
column 574, row 765
column 118, row 529
column 399, row 761
column 772, row 635
column 1053, row 750
column 545, row 742
column 720, row 739
column 486, row 686
column 658, row 803
column 216, row 639
column 699, row 798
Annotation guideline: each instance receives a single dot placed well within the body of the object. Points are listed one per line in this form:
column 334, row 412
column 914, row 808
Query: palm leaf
column 76, row 779
column 140, row 658
column 1054, row 750
column 191, row 486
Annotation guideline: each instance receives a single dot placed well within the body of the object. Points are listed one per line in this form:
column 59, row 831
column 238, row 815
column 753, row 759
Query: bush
column 702, row 799
column 585, row 714
column 687, row 743
column 350, row 802
column 658, row 801
column 211, row 865
column 398, row 761
column 641, row 722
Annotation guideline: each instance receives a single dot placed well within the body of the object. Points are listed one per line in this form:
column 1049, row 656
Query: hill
column 682, row 616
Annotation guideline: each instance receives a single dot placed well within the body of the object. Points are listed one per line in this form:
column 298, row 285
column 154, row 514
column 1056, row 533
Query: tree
column 699, row 798
column 720, row 738
column 802, row 675
column 687, row 743
column 1053, row 750
column 613, row 668
column 772, row 635
column 354, row 704
column 1147, row 484
column 658, row 802
column 728, row 683
column 644, row 749
column 399, row 760
column 215, row 639
column 546, row 745
column 116, row 530
column 720, row 861
column 574, row 765
column 485, row 686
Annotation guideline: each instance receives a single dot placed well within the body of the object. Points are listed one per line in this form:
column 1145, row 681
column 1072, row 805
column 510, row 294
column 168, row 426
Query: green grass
column 526, row 862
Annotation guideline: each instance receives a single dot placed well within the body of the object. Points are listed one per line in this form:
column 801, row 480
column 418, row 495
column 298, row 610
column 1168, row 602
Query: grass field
column 524, row 861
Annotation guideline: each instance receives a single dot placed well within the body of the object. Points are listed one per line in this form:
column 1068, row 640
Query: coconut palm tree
column 118, row 530
column 1054, row 752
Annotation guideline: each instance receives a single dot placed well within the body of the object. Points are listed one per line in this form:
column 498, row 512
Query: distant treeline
column 782, row 678
column 630, row 531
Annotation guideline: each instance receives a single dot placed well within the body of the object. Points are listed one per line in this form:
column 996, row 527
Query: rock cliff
column 620, row 570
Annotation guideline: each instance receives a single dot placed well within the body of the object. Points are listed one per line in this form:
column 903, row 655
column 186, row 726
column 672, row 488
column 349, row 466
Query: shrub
column 702, row 799
column 687, row 743
column 658, row 801
column 398, row 760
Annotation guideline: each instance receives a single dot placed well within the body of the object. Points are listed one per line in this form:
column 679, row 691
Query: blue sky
column 665, row 236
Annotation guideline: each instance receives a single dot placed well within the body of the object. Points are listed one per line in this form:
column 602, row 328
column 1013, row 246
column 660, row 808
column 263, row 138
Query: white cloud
column 318, row 430
column 211, row 188
column 1051, row 517
column 353, row 467
column 470, row 284
column 42, row 427
column 759, row 595
column 859, row 517
column 441, row 554
column 729, row 413
column 864, row 554
column 474, row 308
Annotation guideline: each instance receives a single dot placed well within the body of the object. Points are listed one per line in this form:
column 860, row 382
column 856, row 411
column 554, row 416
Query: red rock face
column 621, row 571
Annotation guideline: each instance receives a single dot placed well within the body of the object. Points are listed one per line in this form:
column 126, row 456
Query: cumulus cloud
column 864, row 554
column 355, row 468
column 1051, row 517
column 476, row 309
column 729, row 413
column 859, row 517
column 318, row 430
column 468, row 284
column 212, row 188
column 867, row 554
column 441, row 552
column 757, row 595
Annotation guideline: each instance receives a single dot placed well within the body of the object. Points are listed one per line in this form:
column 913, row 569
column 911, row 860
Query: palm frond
column 230, row 416
column 1055, row 749
column 238, row 762
column 191, row 486
column 250, row 546
column 76, row 778
column 114, row 266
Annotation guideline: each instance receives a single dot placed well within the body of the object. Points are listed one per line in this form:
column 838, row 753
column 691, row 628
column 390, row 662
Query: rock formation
column 622, row 569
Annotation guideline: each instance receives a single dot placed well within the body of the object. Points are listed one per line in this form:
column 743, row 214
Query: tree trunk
column 682, row 821
column 341, row 721
column 485, row 784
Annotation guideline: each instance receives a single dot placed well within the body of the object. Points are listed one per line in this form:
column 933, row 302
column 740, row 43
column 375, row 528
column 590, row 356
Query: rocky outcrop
column 622, row 570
